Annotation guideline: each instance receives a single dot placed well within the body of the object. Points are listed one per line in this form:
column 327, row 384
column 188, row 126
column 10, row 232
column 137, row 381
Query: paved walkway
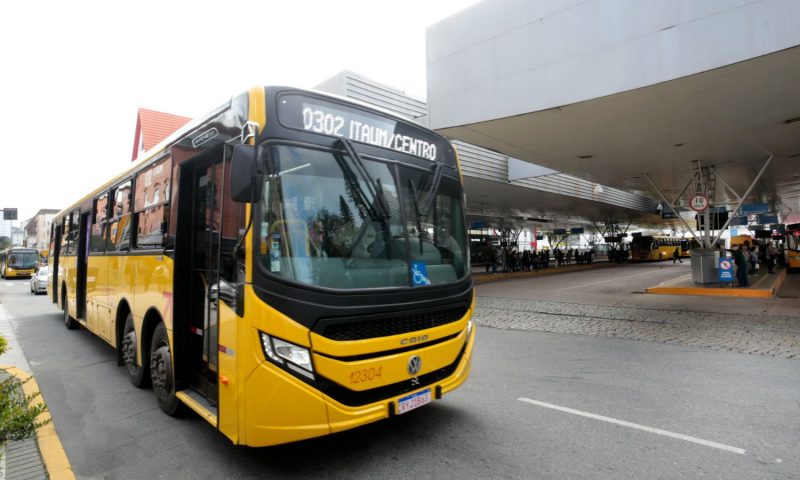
column 757, row 334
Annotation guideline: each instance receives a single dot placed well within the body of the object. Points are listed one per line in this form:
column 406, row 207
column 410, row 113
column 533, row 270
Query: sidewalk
column 43, row 456
column 480, row 276
column 762, row 285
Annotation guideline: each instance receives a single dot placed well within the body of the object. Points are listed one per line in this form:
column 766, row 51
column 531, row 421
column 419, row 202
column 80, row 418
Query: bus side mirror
column 246, row 180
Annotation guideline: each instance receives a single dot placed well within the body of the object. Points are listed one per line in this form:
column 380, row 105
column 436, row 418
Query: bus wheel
column 136, row 374
column 161, row 373
column 70, row 322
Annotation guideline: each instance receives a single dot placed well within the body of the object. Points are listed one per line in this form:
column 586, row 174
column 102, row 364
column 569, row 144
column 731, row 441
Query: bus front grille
column 375, row 326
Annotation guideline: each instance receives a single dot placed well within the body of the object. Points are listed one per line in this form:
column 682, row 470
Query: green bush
column 17, row 414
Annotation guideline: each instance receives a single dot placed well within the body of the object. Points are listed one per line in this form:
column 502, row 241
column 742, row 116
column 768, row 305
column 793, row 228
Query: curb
column 481, row 278
column 53, row 455
column 721, row 292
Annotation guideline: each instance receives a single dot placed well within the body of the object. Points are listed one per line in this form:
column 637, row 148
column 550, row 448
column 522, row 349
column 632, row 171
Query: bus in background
column 291, row 265
column 792, row 247
column 18, row 262
column 657, row 248
column 738, row 240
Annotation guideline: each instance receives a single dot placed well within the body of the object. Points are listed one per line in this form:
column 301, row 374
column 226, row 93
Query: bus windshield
column 332, row 221
column 23, row 259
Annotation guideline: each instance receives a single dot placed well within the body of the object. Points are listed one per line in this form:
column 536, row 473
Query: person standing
column 771, row 253
column 752, row 259
column 741, row 266
column 676, row 255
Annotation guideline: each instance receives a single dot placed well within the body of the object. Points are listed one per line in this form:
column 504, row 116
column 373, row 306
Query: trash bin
column 704, row 265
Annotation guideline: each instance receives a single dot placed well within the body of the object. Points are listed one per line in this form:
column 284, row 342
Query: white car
column 39, row 280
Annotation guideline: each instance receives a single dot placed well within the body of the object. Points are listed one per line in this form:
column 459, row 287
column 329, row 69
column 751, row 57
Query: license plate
column 406, row 404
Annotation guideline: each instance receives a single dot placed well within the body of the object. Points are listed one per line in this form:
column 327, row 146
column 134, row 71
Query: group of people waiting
column 747, row 259
column 510, row 260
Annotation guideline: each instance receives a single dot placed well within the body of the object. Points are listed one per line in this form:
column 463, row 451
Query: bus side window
column 119, row 224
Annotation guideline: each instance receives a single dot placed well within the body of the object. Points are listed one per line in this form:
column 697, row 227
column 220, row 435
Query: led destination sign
column 319, row 116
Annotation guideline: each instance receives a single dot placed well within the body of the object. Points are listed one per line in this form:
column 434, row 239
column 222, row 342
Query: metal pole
column 743, row 197
column 647, row 177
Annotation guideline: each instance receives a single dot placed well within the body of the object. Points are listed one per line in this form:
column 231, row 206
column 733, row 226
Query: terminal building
column 660, row 99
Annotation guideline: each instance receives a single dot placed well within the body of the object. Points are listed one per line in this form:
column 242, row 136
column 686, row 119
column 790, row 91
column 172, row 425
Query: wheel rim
column 161, row 370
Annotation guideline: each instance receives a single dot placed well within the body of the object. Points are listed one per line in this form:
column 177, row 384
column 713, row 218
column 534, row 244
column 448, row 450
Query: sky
column 75, row 73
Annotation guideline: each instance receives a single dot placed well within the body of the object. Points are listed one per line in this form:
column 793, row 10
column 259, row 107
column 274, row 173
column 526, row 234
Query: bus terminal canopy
column 640, row 101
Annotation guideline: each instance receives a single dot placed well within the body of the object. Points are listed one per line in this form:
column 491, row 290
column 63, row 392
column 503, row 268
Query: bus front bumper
column 281, row 408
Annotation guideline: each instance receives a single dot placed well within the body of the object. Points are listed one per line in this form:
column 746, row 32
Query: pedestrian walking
column 676, row 255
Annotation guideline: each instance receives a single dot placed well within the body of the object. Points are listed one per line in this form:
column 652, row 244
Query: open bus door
column 208, row 226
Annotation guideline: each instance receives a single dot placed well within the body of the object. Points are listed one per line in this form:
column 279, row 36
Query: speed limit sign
column 698, row 203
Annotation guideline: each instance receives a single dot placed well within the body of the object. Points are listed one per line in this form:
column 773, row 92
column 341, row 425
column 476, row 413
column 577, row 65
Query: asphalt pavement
column 539, row 403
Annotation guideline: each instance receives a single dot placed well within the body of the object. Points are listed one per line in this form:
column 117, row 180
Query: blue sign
column 767, row 219
column 726, row 270
column 738, row 221
column 477, row 224
column 419, row 274
column 754, row 208
column 559, row 231
column 576, row 231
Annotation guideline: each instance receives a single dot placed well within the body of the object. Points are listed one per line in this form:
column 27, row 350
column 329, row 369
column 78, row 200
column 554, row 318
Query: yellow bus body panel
column 380, row 371
column 230, row 386
column 794, row 259
column 98, row 310
column 344, row 418
column 66, row 277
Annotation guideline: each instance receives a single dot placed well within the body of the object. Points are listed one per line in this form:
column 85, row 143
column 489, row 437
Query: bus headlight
column 294, row 357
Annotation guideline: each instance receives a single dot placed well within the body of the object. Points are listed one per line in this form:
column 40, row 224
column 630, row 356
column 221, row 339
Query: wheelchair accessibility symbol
column 419, row 274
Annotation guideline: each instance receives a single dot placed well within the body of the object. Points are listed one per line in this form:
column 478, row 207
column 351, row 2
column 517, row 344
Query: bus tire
column 69, row 322
column 161, row 372
column 139, row 375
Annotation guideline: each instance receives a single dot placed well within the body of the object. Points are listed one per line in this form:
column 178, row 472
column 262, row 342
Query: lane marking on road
column 623, row 423
column 607, row 280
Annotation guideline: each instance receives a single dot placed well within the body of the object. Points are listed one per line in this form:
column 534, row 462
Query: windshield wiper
column 423, row 208
column 379, row 203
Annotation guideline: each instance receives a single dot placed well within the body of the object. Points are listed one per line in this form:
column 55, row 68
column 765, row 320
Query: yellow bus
column 18, row 262
column 658, row 248
column 291, row 265
column 792, row 247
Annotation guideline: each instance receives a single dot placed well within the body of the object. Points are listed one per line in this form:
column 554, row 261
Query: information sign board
column 754, row 208
column 765, row 219
column 9, row 214
column 726, row 270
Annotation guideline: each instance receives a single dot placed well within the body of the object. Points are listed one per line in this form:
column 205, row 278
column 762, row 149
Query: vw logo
column 414, row 364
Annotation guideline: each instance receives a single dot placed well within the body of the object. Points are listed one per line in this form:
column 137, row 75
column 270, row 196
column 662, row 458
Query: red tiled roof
column 152, row 127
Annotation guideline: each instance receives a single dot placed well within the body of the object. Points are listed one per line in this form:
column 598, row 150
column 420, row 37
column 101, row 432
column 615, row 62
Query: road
column 538, row 405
